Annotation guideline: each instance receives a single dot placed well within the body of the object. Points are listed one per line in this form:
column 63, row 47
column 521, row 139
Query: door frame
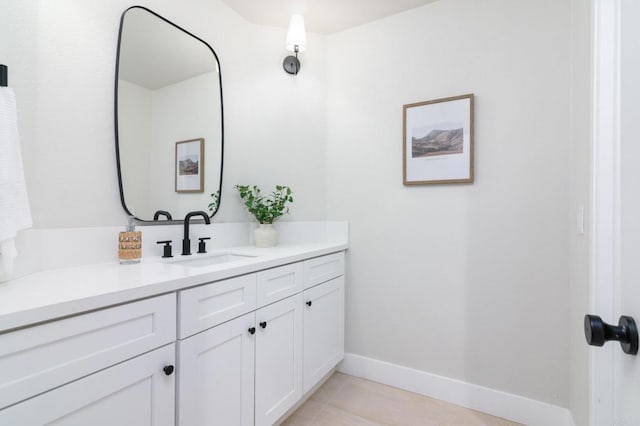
column 605, row 200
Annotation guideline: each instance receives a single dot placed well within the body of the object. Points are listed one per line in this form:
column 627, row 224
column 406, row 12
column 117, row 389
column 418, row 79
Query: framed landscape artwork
column 189, row 165
column 438, row 141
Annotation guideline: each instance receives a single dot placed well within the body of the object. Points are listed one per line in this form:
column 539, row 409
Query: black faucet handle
column 166, row 251
column 202, row 245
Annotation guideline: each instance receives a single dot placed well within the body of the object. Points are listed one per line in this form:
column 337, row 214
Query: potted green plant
column 267, row 209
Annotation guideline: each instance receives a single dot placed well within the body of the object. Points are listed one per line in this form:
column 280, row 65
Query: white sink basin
column 214, row 259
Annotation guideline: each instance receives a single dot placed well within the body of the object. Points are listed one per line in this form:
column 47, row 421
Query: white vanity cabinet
column 101, row 368
column 238, row 351
column 216, row 325
column 217, row 382
column 251, row 370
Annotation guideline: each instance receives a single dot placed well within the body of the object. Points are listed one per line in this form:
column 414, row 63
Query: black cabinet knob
column 168, row 370
column 597, row 332
column 252, row 330
column 263, row 324
column 309, row 303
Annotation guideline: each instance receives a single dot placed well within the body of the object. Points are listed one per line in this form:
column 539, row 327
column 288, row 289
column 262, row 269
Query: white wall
column 61, row 58
column 581, row 103
column 464, row 281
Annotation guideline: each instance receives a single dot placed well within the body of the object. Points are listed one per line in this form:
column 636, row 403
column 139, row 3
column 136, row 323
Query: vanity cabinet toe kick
column 255, row 344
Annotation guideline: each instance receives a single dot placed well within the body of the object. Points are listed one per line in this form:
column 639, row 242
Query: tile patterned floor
column 346, row 400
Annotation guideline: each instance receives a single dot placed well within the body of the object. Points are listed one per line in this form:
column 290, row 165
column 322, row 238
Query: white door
column 616, row 374
column 626, row 400
column 278, row 359
column 323, row 334
column 215, row 375
column 137, row 392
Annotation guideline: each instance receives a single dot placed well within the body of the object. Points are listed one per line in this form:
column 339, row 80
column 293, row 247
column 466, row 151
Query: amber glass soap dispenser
column 130, row 244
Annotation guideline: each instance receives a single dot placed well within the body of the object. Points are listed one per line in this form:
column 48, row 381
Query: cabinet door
column 278, row 359
column 323, row 330
column 134, row 393
column 215, row 380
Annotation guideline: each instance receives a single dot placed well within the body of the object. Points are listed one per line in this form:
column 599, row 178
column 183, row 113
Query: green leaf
column 266, row 209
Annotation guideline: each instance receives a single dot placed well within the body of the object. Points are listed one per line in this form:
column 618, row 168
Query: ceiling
column 321, row 16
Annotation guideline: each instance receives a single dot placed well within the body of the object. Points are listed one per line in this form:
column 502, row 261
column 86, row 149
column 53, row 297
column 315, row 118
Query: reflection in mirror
column 169, row 135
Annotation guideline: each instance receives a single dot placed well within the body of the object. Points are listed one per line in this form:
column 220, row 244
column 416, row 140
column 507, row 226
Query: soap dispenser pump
column 130, row 244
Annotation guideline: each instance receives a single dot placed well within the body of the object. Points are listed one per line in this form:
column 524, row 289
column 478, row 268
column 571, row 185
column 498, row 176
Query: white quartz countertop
column 51, row 294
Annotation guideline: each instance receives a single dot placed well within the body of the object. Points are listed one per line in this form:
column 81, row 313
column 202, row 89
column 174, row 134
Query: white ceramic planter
column 265, row 235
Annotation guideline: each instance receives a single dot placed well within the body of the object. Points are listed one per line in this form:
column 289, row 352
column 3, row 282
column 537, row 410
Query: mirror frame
column 117, row 139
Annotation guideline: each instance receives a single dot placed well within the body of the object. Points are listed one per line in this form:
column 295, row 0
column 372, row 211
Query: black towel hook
column 4, row 75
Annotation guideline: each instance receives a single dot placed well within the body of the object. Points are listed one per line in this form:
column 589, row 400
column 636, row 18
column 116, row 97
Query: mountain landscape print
column 438, row 142
column 188, row 165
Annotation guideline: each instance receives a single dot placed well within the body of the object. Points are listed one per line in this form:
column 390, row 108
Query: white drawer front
column 203, row 307
column 35, row 359
column 277, row 283
column 323, row 269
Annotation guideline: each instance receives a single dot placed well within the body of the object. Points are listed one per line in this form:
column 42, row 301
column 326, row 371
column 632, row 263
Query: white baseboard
column 501, row 404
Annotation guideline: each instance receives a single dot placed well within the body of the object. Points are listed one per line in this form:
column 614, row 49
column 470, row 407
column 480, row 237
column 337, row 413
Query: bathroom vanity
column 238, row 342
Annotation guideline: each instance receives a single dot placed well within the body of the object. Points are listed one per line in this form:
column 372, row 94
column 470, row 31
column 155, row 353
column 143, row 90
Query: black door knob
column 597, row 332
column 252, row 330
column 168, row 370
column 263, row 324
column 309, row 303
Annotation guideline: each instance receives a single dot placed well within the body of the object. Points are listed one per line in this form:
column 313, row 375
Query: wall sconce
column 296, row 42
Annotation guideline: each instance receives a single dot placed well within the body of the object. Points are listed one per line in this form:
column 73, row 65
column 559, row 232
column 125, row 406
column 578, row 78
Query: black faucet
column 186, row 242
column 164, row 213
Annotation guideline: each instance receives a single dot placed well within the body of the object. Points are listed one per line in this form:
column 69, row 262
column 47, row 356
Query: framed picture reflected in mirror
column 189, row 161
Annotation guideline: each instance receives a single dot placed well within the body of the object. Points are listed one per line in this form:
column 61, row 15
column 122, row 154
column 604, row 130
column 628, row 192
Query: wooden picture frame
column 437, row 141
column 189, row 166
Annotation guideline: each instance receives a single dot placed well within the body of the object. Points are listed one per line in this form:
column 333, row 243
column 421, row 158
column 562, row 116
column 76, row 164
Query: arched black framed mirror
column 168, row 118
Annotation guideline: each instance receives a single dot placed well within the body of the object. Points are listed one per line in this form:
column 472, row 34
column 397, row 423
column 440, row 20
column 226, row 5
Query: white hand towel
column 15, row 213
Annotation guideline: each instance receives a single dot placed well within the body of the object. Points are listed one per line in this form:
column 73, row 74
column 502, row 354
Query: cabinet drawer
column 203, row 307
column 323, row 269
column 39, row 358
column 278, row 283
